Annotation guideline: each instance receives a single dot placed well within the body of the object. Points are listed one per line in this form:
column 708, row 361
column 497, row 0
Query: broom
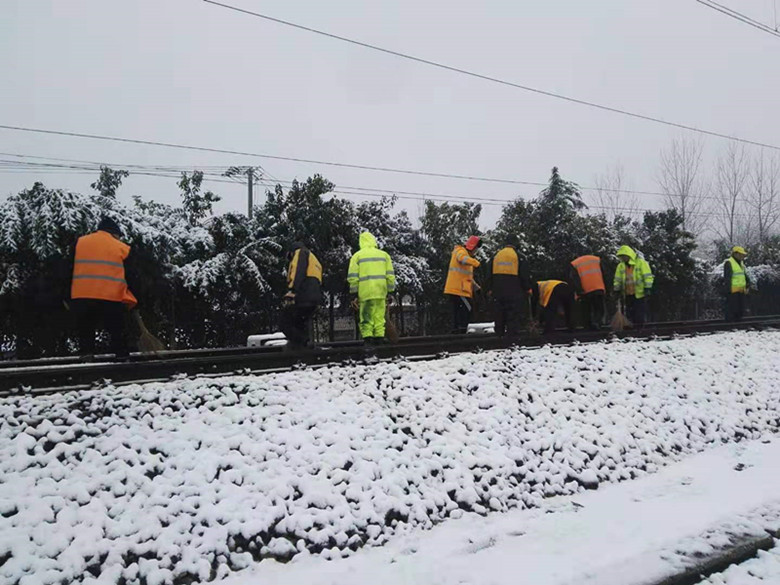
column 390, row 331
column 533, row 326
column 147, row 343
column 620, row 321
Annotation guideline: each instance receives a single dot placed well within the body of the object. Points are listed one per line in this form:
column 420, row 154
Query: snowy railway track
column 624, row 462
column 67, row 374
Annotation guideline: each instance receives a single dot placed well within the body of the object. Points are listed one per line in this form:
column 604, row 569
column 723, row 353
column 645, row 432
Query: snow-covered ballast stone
column 169, row 482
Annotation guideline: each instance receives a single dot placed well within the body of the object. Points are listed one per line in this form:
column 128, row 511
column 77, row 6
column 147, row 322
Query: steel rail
column 60, row 377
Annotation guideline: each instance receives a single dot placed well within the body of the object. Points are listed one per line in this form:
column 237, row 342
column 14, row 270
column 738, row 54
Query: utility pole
column 250, row 175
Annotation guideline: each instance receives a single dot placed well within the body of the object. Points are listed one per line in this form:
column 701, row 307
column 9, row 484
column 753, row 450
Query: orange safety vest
column 630, row 284
column 99, row 270
column 460, row 276
column 589, row 270
column 545, row 290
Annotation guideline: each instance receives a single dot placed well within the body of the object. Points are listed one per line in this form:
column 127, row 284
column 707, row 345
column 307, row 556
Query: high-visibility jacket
column 370, row 273
column 647, row 272
column 304, row 278
column 460, row 276
column 546, row 288
column 588, row 270
column 738, row 276
column 99, row 269
column 640, row 274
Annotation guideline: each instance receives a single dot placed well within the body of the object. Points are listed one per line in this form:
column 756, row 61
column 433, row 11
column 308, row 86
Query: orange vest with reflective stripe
column 589, row 270
column 460, row 275
column 99, row 269
column 545, row 290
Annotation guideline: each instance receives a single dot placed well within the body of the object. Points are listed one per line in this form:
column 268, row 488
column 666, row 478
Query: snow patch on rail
column 165, row 482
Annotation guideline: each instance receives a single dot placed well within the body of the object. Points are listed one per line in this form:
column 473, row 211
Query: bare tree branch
column 679, row 177
column 612, row 196
column 764, row 196
column 733, row 172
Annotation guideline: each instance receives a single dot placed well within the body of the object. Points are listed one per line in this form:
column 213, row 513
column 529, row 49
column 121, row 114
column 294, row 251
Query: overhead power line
column 216, row 171
column 740, row 17
column 268, row 156
column 291, row 159
column 89, row 168
column 558, row 96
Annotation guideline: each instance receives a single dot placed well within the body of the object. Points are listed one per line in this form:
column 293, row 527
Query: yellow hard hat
column 738, row 250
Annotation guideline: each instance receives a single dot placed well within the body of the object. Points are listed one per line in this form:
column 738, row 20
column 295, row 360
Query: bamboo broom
column 390, row 330
column 147, row 343
column 619, row 320
column 533, row 326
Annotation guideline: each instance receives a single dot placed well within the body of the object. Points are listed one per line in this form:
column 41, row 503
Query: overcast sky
column 188, row 72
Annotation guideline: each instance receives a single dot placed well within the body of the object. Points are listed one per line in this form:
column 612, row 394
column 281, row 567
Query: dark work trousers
column 92, row 314
column 562, row 297
column 735, row 306
column 593, row 309
column 635, row 310
column 508, row 314
column 295, row 323
column 461, row 313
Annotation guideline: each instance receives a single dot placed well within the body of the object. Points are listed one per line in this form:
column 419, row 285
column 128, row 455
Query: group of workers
column 511, row 287
column 100, row 295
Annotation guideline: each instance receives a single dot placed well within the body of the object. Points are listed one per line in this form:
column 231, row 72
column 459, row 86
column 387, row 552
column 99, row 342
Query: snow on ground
column 166, row 482
column 764, row 570
column 632, row 533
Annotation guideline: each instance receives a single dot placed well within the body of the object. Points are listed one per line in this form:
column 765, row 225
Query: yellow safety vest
column 313, row 269
column 738, row 279
column 546, row 288
column 506, row 262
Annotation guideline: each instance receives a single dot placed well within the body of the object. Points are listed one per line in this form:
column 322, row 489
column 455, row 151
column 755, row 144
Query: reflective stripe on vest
column 460, row 280
column 373, row 277
column 373, row 259
column 506, row 262
column 589, row 270
column 99, row 270
column 98, row 277
column 738, row 279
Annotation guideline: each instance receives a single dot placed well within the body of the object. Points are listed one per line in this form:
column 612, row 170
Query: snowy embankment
column 172, row 481
column 639, row 532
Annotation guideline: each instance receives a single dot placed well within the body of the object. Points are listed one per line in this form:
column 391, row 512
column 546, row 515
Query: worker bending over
column 551, row 297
